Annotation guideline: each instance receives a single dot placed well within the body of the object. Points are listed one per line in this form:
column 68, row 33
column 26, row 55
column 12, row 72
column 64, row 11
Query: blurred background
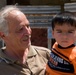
column 40, row 14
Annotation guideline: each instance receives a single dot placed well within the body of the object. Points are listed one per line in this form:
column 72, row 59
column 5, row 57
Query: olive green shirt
column 35, row 64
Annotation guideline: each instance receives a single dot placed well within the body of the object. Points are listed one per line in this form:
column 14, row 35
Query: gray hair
column 3, row 14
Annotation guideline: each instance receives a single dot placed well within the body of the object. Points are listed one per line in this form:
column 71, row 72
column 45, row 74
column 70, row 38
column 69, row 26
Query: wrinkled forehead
column 14, row 13
column 15, row 18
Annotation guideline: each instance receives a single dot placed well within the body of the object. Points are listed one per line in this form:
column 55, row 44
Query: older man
column 19, row 57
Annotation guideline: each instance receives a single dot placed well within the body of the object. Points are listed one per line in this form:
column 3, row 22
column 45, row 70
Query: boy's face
column 64, row 35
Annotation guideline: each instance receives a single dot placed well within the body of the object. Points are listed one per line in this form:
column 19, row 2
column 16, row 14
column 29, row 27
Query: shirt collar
column 5, row 57
column 32, row 51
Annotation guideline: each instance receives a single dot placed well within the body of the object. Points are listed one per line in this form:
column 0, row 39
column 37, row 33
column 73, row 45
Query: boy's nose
column 65, row 35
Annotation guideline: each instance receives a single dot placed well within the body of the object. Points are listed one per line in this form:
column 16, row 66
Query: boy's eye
column 70, row 31
column 59, row 31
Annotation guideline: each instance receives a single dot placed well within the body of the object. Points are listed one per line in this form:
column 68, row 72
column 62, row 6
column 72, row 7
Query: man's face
column 19, row 29
column 65, row 35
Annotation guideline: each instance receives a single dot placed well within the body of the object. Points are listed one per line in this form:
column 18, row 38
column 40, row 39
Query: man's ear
column 2, row 35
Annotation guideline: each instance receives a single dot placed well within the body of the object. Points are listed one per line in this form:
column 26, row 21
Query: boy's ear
column 52, row 33
column 2, row 34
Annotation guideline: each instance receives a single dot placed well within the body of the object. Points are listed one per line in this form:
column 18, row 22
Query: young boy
column 63, row 54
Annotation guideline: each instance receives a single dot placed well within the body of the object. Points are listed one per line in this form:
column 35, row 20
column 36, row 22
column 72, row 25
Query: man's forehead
column 14, row 13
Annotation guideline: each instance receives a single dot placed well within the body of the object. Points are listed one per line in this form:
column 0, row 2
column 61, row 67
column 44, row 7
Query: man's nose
column 27, row 30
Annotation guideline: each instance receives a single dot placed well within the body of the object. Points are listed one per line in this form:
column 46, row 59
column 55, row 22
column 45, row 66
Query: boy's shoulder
column 73, row 53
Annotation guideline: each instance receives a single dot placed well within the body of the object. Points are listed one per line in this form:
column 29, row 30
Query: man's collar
column 32, row 51
column 5, row 57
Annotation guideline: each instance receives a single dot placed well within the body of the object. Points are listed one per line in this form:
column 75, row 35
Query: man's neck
column 20, row 55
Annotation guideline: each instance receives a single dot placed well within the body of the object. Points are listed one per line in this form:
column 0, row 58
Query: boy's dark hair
column 64, row 17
